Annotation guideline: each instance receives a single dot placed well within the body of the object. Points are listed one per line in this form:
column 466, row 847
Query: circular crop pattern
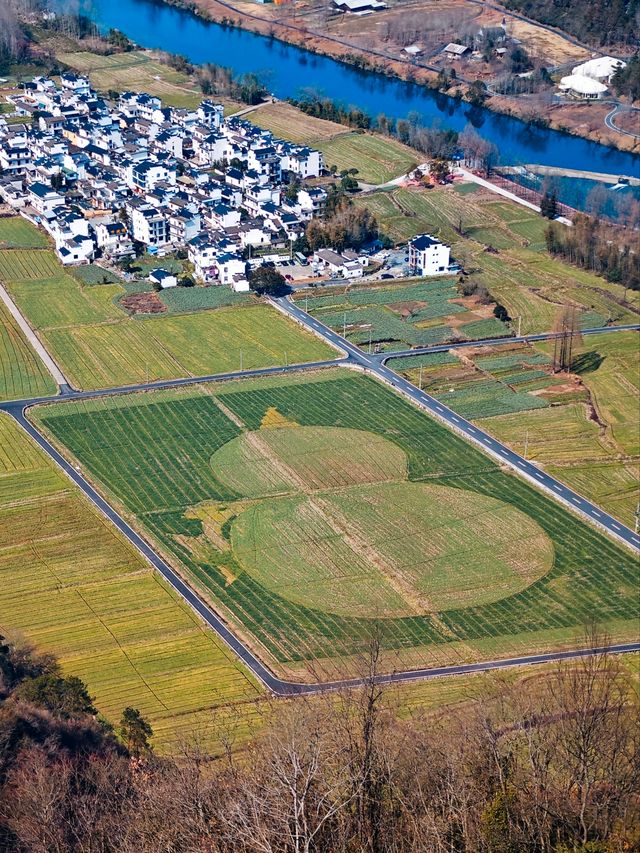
column 338, row 527
column 301, row 459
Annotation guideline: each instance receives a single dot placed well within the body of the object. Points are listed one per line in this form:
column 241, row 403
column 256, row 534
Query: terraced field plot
column 98, row 345
column 307, row 542
column 582, row 427
column 377, row 160
column 522, row 277
column 414, row 313
column 70, row 585
column 22, row 373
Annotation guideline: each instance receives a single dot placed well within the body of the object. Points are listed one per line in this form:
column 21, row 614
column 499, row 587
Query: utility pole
column 637, row 514
column 519, row 325
column 286, row 361
column 241, row 361
column 344, row 325
column 370, row 333
column 420, row 379
column 526, row 443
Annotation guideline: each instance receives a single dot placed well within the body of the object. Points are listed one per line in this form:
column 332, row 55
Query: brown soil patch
column 406, row 309
column 143, row 303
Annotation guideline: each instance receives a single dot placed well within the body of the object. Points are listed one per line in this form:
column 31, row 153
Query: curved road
column 608, row 120
column 354, row 357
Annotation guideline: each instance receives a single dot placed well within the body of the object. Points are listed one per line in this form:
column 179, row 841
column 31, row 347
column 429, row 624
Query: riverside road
column 353, row 357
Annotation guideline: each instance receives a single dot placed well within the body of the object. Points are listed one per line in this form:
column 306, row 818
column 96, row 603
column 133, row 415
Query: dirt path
column 33, row 339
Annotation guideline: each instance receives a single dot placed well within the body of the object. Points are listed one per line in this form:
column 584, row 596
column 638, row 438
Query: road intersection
column 351, row 356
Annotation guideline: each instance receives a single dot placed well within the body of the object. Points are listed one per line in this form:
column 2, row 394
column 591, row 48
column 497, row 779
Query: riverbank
column 582, row 119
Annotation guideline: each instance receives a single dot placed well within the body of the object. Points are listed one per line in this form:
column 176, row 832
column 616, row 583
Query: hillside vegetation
column 615, row 22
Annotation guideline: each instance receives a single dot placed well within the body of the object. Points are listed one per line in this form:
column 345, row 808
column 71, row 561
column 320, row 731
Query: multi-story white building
column 149, row 226
column 428, row 256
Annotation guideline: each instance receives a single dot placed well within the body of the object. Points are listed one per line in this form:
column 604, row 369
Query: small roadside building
column 454, row 50
column 162, row 278
column 428, row 256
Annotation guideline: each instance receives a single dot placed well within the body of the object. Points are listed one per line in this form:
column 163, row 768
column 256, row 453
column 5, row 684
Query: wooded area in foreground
column 548, row 766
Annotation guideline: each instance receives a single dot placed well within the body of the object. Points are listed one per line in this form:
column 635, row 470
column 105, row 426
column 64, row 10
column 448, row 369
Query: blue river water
column 289, row 69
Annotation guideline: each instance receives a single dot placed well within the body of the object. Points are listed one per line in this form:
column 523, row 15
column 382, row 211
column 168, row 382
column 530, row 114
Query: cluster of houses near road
column 111, row 180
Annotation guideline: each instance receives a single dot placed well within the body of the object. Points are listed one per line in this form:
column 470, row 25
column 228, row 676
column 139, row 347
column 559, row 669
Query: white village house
column 428, row 256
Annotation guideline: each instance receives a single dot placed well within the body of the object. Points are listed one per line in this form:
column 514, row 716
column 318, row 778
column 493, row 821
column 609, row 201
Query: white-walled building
column 584, row 88
column 428, row 256
column 149, row 226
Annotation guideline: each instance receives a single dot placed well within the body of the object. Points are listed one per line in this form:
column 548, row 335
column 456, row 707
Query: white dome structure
column 582, row 87
column 602, row 68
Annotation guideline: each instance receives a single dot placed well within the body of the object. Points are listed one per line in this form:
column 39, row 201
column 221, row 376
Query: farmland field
column 311, row 509
column 287, row 122
column 17, row 233
column 521, row 276
column 138, row 71
column 71, row 586
column 22, row 373
column 582, row 426
column 377, row 160
column 412, row 313
column 97, row 345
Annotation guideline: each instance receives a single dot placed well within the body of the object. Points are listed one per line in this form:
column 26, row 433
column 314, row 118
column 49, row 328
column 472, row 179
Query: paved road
column 277, row 685
column 14, row 407
column 489, row 444
column 609, row 120
column 490, row 342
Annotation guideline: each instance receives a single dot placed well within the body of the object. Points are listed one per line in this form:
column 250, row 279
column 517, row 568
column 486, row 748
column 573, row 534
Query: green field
column 72, row 586
column 582, row 427
column 138, row 71
column 411, row 313
column 521, row 276
column 22, row 373
column 307, row 541
column 17, row 233
column 97, row 344
column 377, row 159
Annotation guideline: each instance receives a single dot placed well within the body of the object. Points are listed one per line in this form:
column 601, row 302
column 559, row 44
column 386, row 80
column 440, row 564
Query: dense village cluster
column 112, row 180
column 102, row 178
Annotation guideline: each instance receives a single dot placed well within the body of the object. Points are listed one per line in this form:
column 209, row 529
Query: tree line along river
column 288, row 69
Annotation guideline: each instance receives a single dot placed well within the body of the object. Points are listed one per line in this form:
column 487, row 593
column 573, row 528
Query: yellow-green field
column 376, row 158
column 97, row 344
column 138, row 71
column 72, row 586
column 22, row 373
column 306, row 542
column 287, row 122
column 17, row 233
column 582, row 427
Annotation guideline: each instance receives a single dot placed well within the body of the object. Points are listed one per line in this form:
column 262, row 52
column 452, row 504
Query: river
column 289, row 69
